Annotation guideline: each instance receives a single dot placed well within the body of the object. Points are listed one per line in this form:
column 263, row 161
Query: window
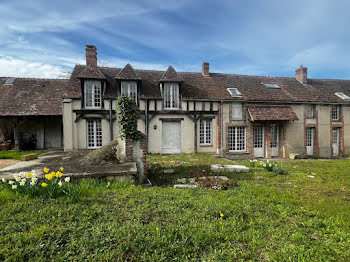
column 335, row 113
column 237, row 138
column 171, row 96
column 233, row 91
column 94, row 134
column 129, row 88
column 205, row 132
column 309, row 111
column 342, row 95
column 92, row 92
column 237, row 111
column 271, row 85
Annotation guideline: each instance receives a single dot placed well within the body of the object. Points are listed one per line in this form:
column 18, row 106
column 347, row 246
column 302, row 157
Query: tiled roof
column 93, row 72
column 32, row 97
column 271, row 113
column 128, row 73
column 214, row 87
column 171, row 76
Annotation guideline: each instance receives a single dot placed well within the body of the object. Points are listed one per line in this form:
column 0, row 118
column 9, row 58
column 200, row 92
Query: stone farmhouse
column 237, row 116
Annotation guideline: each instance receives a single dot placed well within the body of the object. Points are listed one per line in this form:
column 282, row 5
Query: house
column 237, row 116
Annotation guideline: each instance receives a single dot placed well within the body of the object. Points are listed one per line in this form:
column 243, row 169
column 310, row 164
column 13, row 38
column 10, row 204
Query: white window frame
column 309, row 111
column 171, row 96
column 237, row 145
column 129, row 88
column 92, row 94
column 93, row 134
column 237, row 112
column 335, row 113
column 205, row 132
column 234, row 92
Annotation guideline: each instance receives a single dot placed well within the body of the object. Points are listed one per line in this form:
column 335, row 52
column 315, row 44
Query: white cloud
column 10, row 66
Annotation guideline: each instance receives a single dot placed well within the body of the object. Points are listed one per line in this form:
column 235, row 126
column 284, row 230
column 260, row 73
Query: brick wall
column 131, row 155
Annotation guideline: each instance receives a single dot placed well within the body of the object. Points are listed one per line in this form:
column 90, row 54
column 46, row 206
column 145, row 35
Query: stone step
column 229, row 168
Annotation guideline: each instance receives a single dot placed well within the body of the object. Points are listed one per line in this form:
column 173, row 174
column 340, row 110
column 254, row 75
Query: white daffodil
column 14, row 186
column 59, row 183
column 67, row 179
column 32, row 183
column 11, row 182
column 3, row 180
column 34, row 174
column 16, row 177
column 22, row 183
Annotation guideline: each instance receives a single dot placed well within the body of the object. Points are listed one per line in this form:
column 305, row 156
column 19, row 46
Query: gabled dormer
column 170, row 86
column 129, row 82
column 93, row 82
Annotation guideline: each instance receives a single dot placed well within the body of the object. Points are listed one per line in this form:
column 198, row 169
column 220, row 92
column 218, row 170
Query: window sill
column 206, row 145
column 237, row 152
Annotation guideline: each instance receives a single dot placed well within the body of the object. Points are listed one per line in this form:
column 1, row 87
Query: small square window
column 271, row 85
column 233, row 91
column 309, row 111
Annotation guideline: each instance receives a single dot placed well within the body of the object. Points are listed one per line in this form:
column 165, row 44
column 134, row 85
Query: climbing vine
column 127, row 117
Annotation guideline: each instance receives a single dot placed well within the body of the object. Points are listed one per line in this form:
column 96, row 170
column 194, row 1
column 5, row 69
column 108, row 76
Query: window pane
column 236, row 138
column 171, row 95
column 88, row 93
column 205, row 132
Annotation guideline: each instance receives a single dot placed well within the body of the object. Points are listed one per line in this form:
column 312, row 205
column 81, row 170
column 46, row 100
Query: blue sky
column 263, row 37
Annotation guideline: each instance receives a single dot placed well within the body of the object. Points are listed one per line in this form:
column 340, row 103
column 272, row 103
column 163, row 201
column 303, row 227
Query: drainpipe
column 146, row 117
column 195, row 134
column 221, row 129
column 110, row 119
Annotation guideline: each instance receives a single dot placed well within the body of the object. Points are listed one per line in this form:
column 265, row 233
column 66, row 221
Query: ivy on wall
column 127, row 117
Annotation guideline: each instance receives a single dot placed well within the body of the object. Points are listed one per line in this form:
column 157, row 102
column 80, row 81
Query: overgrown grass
column 291, row 217
column 5, row 154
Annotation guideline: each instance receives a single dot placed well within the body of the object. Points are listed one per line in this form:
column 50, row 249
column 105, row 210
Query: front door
column 335, row 141
column 258, row 140
column 274, row 140
column 171, row 138
column 310, row 141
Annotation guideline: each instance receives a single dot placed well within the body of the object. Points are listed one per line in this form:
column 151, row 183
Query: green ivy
column 127, row 116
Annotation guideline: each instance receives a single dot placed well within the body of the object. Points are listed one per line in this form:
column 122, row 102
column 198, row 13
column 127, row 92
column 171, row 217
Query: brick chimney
column 205, row 69
column 301, row 74
column 91, row 55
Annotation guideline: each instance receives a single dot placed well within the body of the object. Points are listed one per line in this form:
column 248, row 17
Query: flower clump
column 52, row 185
column 270, row 166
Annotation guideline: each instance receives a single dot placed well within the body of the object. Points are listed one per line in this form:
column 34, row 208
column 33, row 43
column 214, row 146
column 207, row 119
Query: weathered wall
column 346, row 117
column 295, row 132
column 324, row 114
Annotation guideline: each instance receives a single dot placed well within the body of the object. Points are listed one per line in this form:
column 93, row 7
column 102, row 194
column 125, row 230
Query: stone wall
column 137, row 151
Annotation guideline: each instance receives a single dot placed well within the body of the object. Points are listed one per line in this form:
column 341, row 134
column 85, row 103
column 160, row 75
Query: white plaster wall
column 346, row 118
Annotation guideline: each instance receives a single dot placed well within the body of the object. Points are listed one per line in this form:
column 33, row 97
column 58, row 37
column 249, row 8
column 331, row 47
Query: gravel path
column 7, row 162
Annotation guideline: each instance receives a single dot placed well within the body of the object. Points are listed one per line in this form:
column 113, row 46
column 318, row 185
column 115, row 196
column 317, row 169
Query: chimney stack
column 205, row 69
column 91, row 55
column 301, row 74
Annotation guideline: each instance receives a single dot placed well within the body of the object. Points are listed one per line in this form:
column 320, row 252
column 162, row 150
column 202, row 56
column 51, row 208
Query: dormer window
column 92, row 94
column 171, row 96
column 234, row 92
column 271, row 85
column 129, row 88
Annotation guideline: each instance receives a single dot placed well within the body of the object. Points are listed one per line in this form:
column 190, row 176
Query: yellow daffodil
column 29, row 175
column 46, row 170
column 221, row 214
column 58, row 174
column 44, row 185
column 48, row 176
column 61, row 169
column 157, row 228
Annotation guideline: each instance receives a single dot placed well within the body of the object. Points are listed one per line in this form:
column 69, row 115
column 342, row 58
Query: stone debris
column 192, row 180
column 181, row 180
column 169, row 171
column 260, row 177
column 311, row 176
column 229, row 168
column 29, row 157
column 185, row 186
column 224, row 178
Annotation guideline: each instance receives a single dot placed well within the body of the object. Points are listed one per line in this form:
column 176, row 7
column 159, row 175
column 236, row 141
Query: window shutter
column 237, row 112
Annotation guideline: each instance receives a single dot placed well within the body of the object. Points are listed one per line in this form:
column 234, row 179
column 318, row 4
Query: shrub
column 52, row 186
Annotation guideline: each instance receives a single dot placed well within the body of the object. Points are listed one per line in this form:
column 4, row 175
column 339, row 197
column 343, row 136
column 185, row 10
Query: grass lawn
column 290, row 217
column 4, row 154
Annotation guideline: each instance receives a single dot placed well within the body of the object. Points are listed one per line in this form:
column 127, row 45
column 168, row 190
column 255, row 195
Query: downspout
column 221, row 129
column 110, row 119
column 195, row 134
column 146, row 117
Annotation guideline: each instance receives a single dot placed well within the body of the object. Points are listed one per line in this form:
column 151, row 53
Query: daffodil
column 58, row 174
column 11, row 182
column 67, row 179
column 29, row 175
column 14, row 186
column 16, row 177
column 221, row 214
column 59, row 183
column 22, row 183
column 44, row 185
column 3, row 180
column 32, row 183
column 46, row 170
column 157, row 228
column 48, row 176
column 61, row 169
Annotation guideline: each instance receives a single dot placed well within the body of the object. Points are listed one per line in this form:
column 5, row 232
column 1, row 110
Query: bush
column 52, row 186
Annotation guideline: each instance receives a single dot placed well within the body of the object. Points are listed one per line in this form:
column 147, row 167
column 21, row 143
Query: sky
column 42, row 38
